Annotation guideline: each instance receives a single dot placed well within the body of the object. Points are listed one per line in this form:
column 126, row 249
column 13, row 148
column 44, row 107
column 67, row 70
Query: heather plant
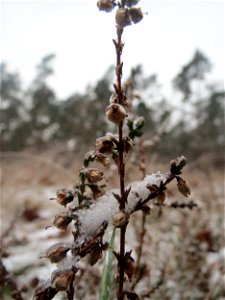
column 99, row 216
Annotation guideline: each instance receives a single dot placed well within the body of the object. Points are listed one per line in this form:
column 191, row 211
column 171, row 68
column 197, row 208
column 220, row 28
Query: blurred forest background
column 192, row 123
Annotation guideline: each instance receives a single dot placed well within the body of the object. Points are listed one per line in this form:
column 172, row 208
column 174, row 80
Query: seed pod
column 62, row 278
column 116, row 113
column 119, row 219
column 123, row 17
column 94, row 175
column 64, row 196
column 136, row 14
column 57, row 252
column 61, row 221
column 105, row 5
column 183, row 187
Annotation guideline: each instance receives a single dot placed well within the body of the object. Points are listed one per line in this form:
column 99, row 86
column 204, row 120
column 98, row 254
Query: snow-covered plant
column 94, row 213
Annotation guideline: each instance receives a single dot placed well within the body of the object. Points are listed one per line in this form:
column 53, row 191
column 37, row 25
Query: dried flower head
column 119, row 219
column 44, row 291
column 129, row 264
column 106, row 5
column 62, row 278
column 183, row 186
column 116, row 113
column 162, row 197
column 57, row 252
column 123, row 17
column 64, row 196
column 62, row 220
column 94, row 175
column 103, row 159
column 105, row 144
column 136, row 14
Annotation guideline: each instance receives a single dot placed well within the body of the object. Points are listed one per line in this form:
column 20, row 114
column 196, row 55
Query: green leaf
column 107, row 271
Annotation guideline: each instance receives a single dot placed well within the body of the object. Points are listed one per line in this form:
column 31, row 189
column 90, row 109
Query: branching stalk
column 121, row 164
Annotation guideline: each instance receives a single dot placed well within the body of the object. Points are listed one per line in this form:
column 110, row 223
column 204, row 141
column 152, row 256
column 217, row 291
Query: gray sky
column 81, row 37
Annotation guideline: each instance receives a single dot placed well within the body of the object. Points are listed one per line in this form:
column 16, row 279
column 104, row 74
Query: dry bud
column 183, row 187
column 119, row 219
column 57, row 252
column 105, row 5
column 62, row 278
column 177, row 164
column 116, row 113
column 64, row 196
column 136, row 14
column 123, row 17
column 61, row 221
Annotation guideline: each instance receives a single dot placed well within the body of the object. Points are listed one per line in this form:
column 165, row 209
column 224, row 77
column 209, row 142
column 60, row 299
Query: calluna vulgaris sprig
column 89, row 208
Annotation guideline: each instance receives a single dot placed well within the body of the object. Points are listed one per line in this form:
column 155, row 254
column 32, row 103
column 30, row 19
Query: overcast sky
column 81, row 38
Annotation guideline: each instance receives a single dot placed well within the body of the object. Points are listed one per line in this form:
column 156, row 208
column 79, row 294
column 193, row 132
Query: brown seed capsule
column 119, row 219
column 116, row 113
column 94, row 175
column 64, row 196
column 57, row 252
column 105, row 5
column 61, row 278
column 123, row 17
column 183, row 187
column 136, row 14
column 61, row 221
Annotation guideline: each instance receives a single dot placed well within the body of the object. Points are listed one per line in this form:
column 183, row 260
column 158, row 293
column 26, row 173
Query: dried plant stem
column 121, row 164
